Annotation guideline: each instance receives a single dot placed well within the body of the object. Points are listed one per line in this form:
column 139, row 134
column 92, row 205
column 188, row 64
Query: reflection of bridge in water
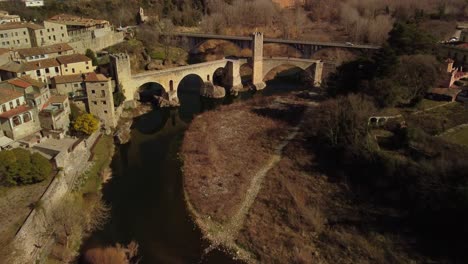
column 169, row 79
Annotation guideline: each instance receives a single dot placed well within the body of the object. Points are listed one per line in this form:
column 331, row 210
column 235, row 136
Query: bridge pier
column 318, row 73
column 257, row 61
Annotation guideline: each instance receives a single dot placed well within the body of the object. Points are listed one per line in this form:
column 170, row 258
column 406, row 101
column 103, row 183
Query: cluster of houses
column 41, row 72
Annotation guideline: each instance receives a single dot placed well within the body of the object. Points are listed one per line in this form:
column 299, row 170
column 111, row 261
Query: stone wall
column 35, row 233
column 96, row 43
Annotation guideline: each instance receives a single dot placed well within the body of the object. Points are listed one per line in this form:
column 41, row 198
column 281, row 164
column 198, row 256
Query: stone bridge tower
column 257, row 61
column 122, row 73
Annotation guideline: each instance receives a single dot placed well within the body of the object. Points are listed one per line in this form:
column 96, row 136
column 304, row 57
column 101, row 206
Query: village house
column 45, row 69
column 71, row 85
column 26, row 35
column 39, row 53
column 17, row 118
column 36, row 93
column 18, row 35
column 33, row 3
column 100, row 91
column 5, row 17
column 55, row 117
column 79, row 28
column 75, row 63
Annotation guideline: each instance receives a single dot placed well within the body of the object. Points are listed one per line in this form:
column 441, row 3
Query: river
column 145, row 192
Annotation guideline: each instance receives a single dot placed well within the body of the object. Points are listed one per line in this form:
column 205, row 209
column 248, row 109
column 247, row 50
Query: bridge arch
column 147, row 91
column 306, row 67
column 188, row 93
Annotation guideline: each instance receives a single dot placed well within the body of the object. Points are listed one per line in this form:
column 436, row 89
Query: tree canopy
column 19, row 166
column 86, row 123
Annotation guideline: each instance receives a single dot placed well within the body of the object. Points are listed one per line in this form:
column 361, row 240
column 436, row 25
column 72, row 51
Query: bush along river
column 146, row 193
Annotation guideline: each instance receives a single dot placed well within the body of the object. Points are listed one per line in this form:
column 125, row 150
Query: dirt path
column 226, row 234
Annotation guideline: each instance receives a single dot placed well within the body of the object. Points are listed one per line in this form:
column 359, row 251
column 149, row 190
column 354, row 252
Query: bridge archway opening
column 147, row 91
column 280, row 50
column 188, row 93
column 219, row 77
column 287, row 77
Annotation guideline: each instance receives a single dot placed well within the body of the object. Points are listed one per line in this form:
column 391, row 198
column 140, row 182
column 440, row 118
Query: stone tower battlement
column 120, row 68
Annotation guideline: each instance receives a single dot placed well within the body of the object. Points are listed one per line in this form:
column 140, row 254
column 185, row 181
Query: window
column 42, row 34
column 24, row 32
column 3, row 107
column 59, row 53
column 53, row 29
column 48, row 30
column 75, row 85
column 26, row 117
column 103, row 93
column 93, row 91
column 87, row 67
column 47, row 70
column 66, row 70
column 16, row 33
column 56, row 69
column 73, row 70
column 104, row 102
column 94, row 102
column 11, row 105
column 18, row 102
column 26, row 40
column 105, row 111
column 50, row 38
column 86, row 63
column 61, row 27
column 54, row 38
column 63, row 35
column 38, row 73
column 1, row 35
column 16, row 121
column 102, row 84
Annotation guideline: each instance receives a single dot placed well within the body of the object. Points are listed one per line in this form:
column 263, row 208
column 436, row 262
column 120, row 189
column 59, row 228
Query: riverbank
column 279, row 203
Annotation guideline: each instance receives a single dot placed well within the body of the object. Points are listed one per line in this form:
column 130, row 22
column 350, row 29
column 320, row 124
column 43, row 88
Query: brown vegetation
column 219, row 167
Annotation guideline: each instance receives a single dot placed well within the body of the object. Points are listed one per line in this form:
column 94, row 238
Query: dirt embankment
column 254, row 186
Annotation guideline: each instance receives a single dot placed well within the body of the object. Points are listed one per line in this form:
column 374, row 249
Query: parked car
column 349, row 44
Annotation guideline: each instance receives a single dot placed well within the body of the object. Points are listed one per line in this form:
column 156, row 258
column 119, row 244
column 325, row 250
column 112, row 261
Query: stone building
column 18, row 35
column 36, row 93
column 75, row 63
column 33, row 3
column 70, row 85
column 45, row 69
column 79, row 28
column 5, row 17
column 55, row 116
column 100, row 99
column 17, row 119
column 40, row 53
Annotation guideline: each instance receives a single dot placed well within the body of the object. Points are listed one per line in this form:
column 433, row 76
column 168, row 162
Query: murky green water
column 146, row 193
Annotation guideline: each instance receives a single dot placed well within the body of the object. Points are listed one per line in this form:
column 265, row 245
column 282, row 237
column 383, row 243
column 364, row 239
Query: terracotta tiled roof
column 12, row 66
column 3, row 51
column 72, row 78
column 44, row 50
column 16, row 25
column 7, row 95
column 76, row 21
column 32, row 81
column 18, row 110
column 19, row 83
column 40, row 64
column 72, row 58
column 95, row 77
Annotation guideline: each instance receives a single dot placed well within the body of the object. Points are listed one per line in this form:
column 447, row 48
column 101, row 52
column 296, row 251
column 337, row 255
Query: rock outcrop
column 210, row 90
column 163, row 102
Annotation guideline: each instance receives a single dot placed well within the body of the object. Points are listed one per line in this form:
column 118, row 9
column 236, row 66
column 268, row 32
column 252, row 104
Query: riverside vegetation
column 344, row 190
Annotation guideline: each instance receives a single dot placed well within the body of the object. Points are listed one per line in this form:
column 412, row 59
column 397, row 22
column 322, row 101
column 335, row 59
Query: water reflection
column 146, row 193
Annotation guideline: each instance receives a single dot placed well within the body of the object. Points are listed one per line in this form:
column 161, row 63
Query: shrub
column 86, row 123
column 19, row 166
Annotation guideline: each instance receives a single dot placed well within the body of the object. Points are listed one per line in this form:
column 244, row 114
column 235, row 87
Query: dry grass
column 221, row 151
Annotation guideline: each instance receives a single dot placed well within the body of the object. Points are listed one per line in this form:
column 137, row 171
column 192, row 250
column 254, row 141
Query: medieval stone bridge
column 170, row 79
column 307, row 48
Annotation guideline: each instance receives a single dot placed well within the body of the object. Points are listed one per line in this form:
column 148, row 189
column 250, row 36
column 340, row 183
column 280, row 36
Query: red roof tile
column 18, row 110
column 19, row 83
